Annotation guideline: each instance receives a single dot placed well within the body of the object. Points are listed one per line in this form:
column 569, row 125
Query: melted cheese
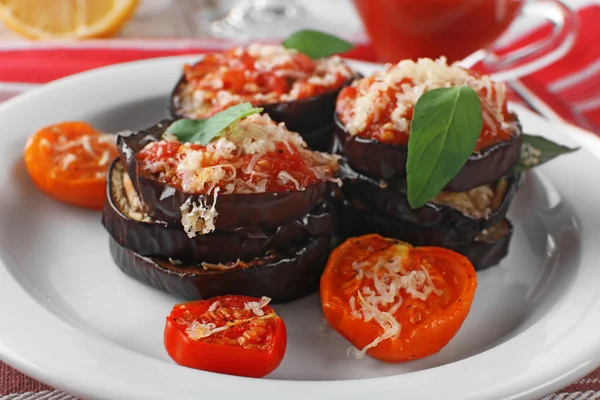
column 285, row 177
column 214, row 306
column 425, row 74
column 390, row 279
column 530, row 156
column 67, row 160
column 220, row 266
column 257, row 306
column 199, row 218
column 197, row 330
column 104, row 159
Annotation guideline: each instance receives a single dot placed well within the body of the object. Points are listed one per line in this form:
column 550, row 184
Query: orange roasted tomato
column 236, row 335
column 393, row 301
column 69, row 161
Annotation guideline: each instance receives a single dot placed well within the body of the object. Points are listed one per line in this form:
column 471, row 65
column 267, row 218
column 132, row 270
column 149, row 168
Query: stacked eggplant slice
column 469, row 214
column 290, row 87
column 231, row 216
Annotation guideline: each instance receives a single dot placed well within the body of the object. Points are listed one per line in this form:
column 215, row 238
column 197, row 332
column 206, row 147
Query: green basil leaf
column 536, row 150
column 445, row 127
column 204, row 130
column 316, row 44
column 185, row 129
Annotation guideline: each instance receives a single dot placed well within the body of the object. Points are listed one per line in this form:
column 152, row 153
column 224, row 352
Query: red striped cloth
column 571, row 87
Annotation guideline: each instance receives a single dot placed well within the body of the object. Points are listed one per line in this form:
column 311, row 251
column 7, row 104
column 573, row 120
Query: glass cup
column 467, row 30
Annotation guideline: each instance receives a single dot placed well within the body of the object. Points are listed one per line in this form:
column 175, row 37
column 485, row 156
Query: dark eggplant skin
column 282, row 277
column 391, row 203
column 263, row 210
column 387, row 161
column 357, row 221
column 159, row 239
column 486, row 254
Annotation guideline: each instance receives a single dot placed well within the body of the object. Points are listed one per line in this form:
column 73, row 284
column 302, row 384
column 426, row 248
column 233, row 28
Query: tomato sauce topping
column 381, row 106
column 254, row 156
column 260, row 74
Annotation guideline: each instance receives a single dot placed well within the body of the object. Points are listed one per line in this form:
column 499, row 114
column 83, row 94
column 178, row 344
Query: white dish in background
column 72, row 319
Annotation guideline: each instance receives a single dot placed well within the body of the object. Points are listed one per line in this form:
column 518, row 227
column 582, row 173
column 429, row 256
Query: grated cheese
column 285, row 177
column 166, row 193
column 530, row 156
column 197, row 330
column 104, row 159
column 214, row 306
column 43, row 143
column 220, row 266
column 199, row 218
column 87, row 146
column 373, row 98
column 201, row 97
column 67, row 160
column 257, row 306
column 256, row 135
column 389, row 280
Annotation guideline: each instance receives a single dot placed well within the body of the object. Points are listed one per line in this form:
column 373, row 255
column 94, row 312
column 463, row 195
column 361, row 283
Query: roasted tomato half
column 68, row 161
column 236, row 335
column 393, row 301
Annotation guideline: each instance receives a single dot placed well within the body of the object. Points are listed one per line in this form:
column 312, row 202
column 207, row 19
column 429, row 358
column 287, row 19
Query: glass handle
column 536, row 55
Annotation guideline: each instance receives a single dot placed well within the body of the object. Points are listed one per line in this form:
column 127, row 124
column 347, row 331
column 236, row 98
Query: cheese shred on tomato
column 383, row 283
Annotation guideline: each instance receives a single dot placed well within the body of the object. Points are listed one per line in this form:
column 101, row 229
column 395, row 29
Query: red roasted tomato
column 236, row 335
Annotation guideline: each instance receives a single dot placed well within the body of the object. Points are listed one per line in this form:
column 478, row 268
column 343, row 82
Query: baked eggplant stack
column 289, row 85
column 243, row 212
column 374, row 117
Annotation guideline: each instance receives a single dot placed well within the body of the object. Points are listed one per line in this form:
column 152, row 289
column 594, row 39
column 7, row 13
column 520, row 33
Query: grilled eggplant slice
column 293, row 113
column 282, row 276
column 356, row 220
column 128, row 224
column 388, row 162
column 489, row 247
column 460, row 216
column 266, row 210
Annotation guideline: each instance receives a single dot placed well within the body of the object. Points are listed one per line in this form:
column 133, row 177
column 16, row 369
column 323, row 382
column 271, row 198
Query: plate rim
column 577, row 366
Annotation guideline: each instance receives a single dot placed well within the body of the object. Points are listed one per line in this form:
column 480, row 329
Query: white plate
column 70, row 318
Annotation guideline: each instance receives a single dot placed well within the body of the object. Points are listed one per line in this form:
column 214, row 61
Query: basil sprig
column 316, row 44
column 202, row 131
column 445, row 127
column 536, row 150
